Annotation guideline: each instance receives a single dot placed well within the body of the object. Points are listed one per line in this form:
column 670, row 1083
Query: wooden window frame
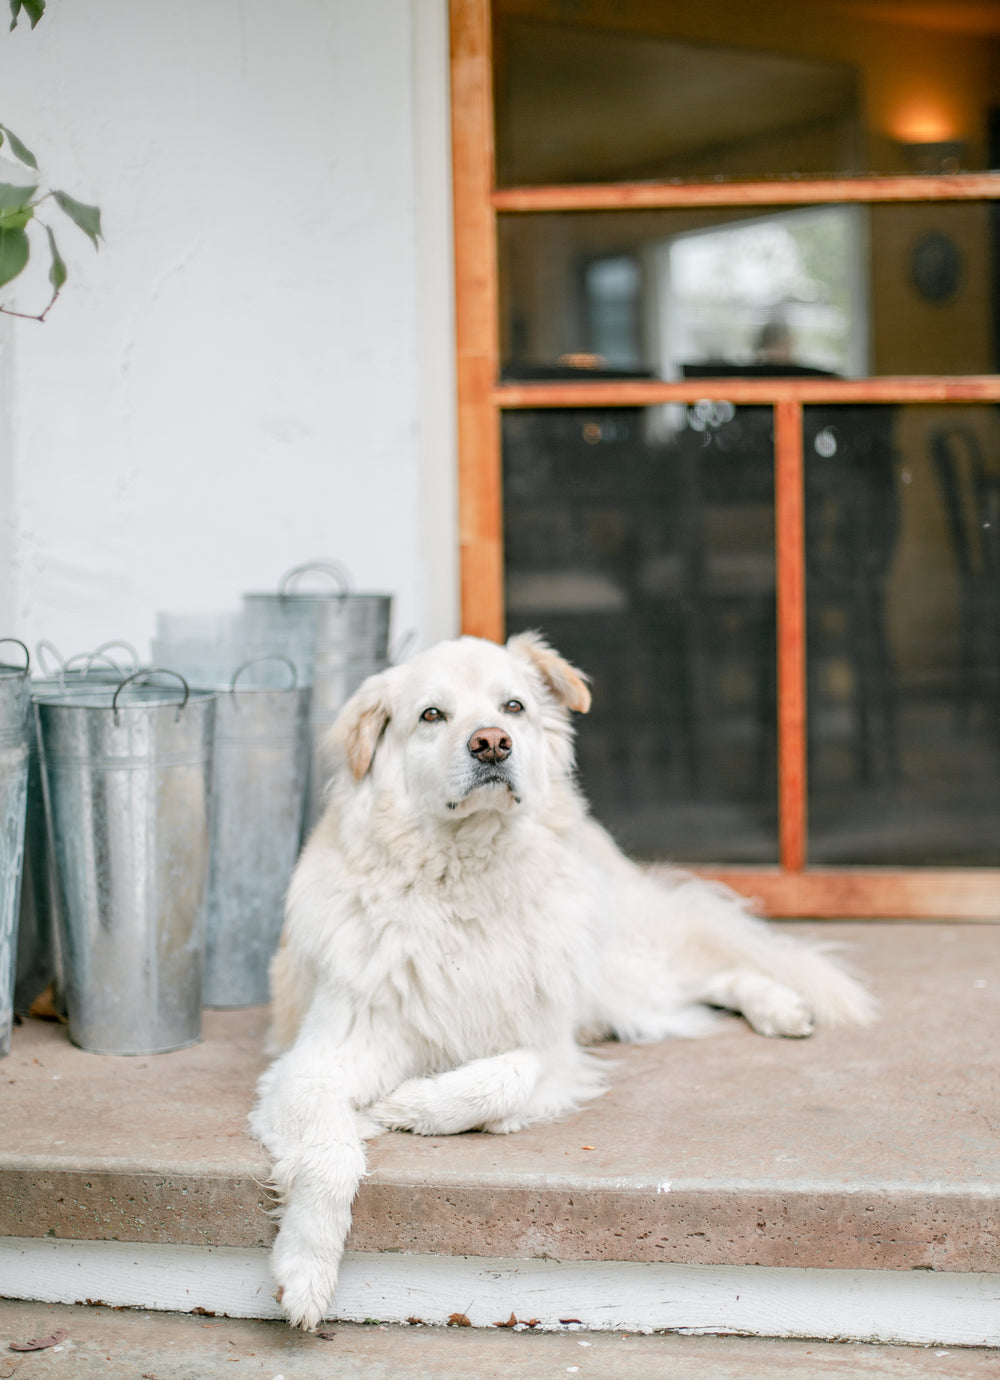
column 792, row 888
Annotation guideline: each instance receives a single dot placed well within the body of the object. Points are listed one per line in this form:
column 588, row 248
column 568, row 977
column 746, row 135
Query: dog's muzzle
column 490, row 745
column 487, row 764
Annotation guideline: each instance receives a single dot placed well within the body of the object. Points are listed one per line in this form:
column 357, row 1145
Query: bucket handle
column 63, row 664
column 254, row 661
column 105, row 647
column 27, row 654
column 402, row 647
column 145, row 675
column 88, row 658
column 42, row 647
column 331, row 568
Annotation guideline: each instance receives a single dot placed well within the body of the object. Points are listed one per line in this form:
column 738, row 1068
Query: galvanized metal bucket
column 331, row 691
column 39, row 961
column 329, row 628
column 203, row 647
column 336, row 639
column 126, row 771
column 15, row 706
column 260, row 772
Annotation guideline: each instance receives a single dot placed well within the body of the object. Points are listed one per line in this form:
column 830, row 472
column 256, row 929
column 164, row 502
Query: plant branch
column 29, row 315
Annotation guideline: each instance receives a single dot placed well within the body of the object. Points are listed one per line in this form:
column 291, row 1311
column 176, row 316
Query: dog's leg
column 463, row 1099
column 770, row 1007
column 306, row 1117
column 569, row 1075
column 499, row 1094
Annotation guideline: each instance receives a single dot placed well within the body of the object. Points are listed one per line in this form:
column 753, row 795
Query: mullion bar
column 620, row 196
column 789, row 486
column 476, row 322
column 906, row 388
column 867, row 893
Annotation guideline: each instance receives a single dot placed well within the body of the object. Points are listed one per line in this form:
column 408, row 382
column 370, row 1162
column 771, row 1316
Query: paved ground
column 832, row 1152
column 871, row 1149
column 112, row 1344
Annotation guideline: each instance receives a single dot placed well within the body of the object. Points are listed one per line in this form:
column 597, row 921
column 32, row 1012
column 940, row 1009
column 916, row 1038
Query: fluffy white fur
column 458, row 928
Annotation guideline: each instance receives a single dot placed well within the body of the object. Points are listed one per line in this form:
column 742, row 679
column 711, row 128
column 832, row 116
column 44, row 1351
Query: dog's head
column 466, row 726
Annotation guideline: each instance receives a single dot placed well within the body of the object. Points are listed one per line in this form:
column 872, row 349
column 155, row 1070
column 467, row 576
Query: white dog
column 457, row 925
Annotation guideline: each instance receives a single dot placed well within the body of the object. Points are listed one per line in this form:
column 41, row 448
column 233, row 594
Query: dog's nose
column 490, row 745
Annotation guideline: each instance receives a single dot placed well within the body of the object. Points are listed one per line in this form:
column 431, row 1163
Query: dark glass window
column 903, row 634
column 604, row 92
column 843, row 289
column 641, row 542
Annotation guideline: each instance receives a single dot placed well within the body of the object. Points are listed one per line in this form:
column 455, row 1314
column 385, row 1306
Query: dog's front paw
column 306, row 1282
column 406, row 1110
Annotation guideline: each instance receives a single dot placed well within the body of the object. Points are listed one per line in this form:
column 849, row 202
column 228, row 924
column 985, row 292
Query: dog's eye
column 513, row 707
column 432, row 716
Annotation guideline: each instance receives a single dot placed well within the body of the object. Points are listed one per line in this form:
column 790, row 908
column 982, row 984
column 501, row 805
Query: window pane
column 845, row 290
column 605, row 92
column 903, row 599
column 641, row 542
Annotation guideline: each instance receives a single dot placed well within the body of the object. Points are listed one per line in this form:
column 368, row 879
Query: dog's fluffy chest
column 453, row 952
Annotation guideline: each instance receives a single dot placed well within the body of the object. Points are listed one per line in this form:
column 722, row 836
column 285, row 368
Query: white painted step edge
column 920, row 1307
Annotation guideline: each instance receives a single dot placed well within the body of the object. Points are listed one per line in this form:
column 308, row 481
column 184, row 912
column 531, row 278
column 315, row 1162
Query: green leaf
column 88, row 218
column 34, row 9
column 19, row 149
column 57, row 273
column 14, row 196
column 13, row 254
column 15, row 217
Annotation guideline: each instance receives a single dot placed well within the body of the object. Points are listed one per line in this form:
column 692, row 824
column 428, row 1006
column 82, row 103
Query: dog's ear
column 359, row 726
column 565, row 682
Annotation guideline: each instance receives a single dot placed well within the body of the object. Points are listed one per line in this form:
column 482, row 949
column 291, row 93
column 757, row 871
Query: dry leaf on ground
column 40, row 1343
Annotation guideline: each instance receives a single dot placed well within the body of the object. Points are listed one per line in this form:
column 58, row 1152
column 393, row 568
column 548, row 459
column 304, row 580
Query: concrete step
column 107, row 1344
column 845, row 1185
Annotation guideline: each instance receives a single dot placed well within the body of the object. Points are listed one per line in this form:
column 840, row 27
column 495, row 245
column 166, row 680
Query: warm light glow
column 920, row 122
column 580, row 360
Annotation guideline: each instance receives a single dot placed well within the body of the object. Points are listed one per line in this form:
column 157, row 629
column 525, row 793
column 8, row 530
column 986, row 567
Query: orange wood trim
column 623, row 196
column 857, row 893
column 789, row 491
column 792, row 889
column 636, row 393
column 476, row 321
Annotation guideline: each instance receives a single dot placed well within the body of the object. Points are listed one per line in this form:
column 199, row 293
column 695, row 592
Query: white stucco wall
column 255, row 368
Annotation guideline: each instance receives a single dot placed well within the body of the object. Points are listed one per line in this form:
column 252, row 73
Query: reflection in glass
column 606, row 92
column 641, row 542
column 903, row 596
column 611, row 289
column 842, row 289
column 578, row 104
column 786, row 288
column 645, row 552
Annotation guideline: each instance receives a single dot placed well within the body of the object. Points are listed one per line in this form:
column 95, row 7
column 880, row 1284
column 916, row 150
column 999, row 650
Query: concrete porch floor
column 854, row 1151
column 110, row 1344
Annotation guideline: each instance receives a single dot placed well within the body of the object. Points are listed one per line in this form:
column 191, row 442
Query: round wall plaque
column 936, row 266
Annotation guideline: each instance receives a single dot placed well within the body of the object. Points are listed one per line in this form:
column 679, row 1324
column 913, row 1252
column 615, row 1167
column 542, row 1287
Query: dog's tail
column 717, row 927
